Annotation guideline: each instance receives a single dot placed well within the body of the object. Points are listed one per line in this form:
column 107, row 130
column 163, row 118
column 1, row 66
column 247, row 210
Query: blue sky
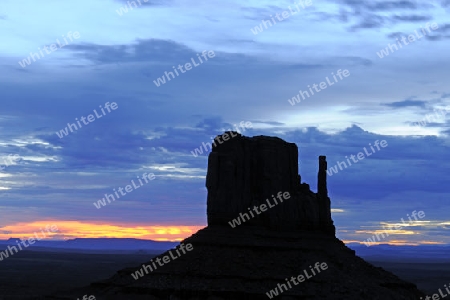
column 251, row 78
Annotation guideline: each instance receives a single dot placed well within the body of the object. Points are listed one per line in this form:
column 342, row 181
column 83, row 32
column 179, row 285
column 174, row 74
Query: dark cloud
column 406, row 103
column 371, row 21
column 372, row 14
column 440, row 33
column 383, row 6
column 434, row 38
column 391, row 5
column 412, row 18
column 142, row 50
column 396, row 35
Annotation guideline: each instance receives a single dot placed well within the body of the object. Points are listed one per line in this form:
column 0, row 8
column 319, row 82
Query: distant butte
column 266, row 250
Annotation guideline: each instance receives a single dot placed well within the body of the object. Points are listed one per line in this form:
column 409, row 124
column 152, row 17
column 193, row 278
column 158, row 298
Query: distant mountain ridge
column 109, row 244
column 385, row 252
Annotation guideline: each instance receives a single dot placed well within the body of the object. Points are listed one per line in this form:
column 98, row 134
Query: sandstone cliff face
column 245, row 172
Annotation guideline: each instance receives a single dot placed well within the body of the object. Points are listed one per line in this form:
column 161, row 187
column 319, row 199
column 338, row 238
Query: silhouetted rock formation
column 249, row 260
column 246, row 172
column 322, row 177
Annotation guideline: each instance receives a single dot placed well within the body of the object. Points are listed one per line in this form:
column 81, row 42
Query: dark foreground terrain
column 30, row 274
column 428, row 276
column 427, row 266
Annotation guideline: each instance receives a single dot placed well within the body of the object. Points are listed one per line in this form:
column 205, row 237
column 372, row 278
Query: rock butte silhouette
column 251, row 259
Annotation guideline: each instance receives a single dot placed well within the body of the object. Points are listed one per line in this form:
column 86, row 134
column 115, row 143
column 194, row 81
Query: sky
column 332, row 76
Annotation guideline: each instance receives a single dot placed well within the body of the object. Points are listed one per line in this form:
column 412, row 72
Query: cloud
column 440, row 33
column 396, row 35
column 383, row 5
column 136, row 3
column 273, row 123
column 412, row 18
column 391, row 5
column 371, row 21
column 152, row 50
column 406, row 103
column 373, row 14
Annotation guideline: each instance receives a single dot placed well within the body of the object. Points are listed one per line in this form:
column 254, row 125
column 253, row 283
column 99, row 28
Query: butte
column 261, row 254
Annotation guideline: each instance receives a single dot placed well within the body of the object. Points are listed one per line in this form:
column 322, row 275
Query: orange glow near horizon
column 85, row 229
column 386, row 233
column 80, row 229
